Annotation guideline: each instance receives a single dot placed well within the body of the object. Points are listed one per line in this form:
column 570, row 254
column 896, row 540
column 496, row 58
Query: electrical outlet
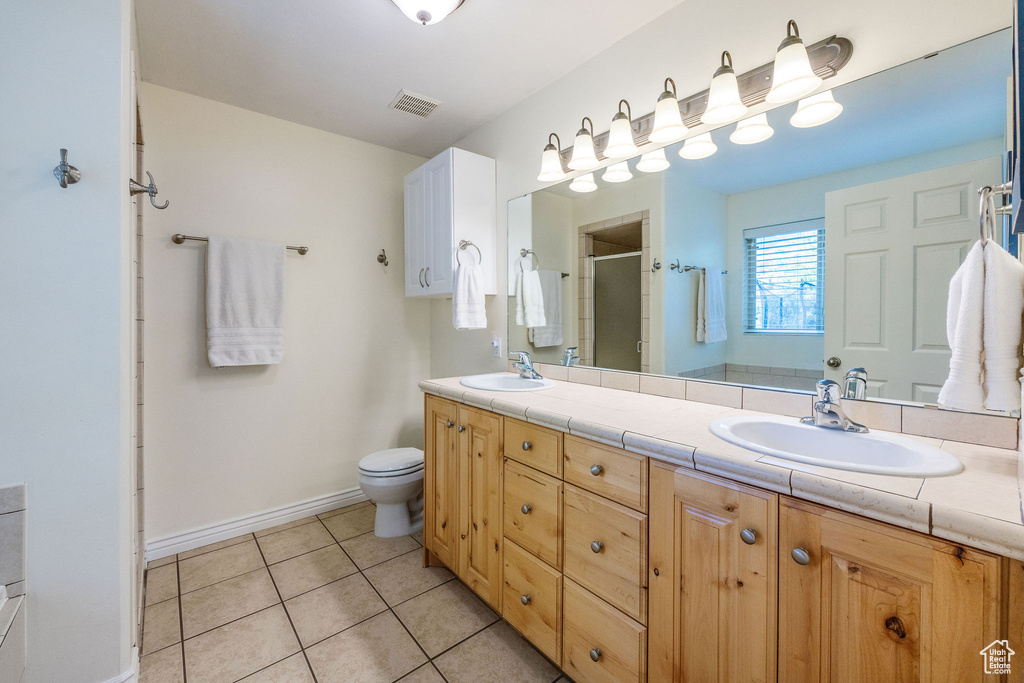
column 496, row 343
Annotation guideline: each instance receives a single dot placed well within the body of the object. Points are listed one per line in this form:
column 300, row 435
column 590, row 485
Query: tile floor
column 323, row 600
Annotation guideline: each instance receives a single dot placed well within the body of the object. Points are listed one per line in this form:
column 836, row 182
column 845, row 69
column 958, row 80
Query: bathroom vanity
column 625, row 556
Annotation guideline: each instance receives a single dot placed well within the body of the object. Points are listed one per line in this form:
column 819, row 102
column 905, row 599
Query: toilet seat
column 393, row 462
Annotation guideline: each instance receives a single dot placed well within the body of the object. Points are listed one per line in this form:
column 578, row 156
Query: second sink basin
column 872, row 453
column 503, row 381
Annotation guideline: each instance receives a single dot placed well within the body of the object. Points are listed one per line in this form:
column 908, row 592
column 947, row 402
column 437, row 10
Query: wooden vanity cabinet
column 440, row 479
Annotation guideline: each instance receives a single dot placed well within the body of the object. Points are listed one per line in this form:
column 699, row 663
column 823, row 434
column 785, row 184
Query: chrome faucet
column 856, row 384
column 827, row 411
column 524, row 365
column 570, row 358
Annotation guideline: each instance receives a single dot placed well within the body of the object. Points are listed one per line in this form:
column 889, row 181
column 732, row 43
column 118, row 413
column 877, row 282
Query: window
column 783, row 279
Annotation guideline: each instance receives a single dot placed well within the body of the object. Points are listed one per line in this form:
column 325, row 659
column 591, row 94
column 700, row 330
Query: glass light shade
column 427, row 12
column 652, row 162
column 698, row 147
column 816, row 110
column 583, row 156
column 551, row 166
column 620, row 139
column 724, row 105
column 753, row 130
column 583, row 183
column 668, row 123
column 617, row 173
column 792, row 77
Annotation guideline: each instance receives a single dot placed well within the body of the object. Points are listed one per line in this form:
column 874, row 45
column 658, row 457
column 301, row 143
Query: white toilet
column 393, row 479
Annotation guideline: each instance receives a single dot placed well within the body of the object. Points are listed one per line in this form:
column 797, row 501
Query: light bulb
column 620, row 136
column 724, row 104
column 583, row 156
column 816, row 110
column 551, row 162
column 668, row 123
column 427, row 12
column 617, row 173
column 752, row 130
column 652, row 162
column 698, row 147
column 792, row 77
column 583, row 183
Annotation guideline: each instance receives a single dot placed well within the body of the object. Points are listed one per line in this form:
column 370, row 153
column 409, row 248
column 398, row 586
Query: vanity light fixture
column 652, row 162
column 753, row 130
column 617, row 173
column 620, row 136
column 816, row 110
column 792, row 77
column 698, row 147
column 428, row 12
column 668, row 123
column 583, row 156
column 583, row 183
column 551, row 161
column 724, row 103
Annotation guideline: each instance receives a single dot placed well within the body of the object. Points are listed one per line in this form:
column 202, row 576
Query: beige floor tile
column 497, row 654
column 214, row 546
column 161, row 583
column 425, row 674
column 209, row 568
column 291, row 670
column 445, row 616
column 405, row 577
column 349, row 524
column 368, row 550
column 162, row 667
column 216, row 605
column 302, row 539
column 312, row 570
column 240, row 648
column 332, row 608
column 378, row 650
column 153, row 564
column 286, row 526
column 343, row 510
column 418, row 536
column 161, row 627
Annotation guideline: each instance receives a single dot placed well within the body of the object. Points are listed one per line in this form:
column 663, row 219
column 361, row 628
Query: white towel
column 244, row 302
column 711, row 307
column 469, row 311
column 1004, row 307
column 550, row 334
column 963, row 388
column 529, row 298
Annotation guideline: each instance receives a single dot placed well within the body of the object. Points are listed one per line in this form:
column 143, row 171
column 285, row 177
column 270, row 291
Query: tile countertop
column 980, row 507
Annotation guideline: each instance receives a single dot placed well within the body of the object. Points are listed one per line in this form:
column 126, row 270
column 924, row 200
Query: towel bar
column 179, row 238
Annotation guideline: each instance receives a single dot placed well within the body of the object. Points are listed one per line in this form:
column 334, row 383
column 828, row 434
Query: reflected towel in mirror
column 711, row 307
column 549, row 334
column 529, row 298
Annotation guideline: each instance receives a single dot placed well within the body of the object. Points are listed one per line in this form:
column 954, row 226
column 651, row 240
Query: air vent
column 414, row 104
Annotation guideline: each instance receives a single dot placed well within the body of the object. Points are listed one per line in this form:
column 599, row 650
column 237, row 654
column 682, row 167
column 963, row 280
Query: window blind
column 784, row 278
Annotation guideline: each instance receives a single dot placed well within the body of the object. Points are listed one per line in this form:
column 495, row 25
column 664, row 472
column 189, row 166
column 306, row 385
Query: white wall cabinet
column 448, row 199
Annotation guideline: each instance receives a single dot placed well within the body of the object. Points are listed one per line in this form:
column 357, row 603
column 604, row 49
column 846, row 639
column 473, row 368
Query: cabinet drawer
column 535, row 446
column 606, row 550
column 609, row 472
column 596, row 630
column 532, row 600
column 533, row 512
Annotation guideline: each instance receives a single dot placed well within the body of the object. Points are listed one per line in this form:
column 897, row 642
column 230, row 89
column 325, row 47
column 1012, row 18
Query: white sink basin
column 503, row 381
column 873, row 453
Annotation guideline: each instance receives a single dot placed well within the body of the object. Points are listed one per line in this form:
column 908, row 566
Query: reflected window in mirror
column 784, row 278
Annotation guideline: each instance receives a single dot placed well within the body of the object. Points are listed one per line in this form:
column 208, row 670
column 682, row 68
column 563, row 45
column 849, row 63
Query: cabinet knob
column 526, row 509
column 749, row 536
column 525, row 599
column 449, row 424
column 596, row 546
column 527, row 445
column 595, row 654
column 801, row 556
column 461, row 429
column 596, row 470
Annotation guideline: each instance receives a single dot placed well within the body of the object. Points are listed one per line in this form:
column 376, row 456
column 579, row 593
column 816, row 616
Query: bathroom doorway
column 617, row 321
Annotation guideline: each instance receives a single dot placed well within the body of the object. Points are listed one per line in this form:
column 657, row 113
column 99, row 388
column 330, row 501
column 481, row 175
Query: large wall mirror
column 821, row 249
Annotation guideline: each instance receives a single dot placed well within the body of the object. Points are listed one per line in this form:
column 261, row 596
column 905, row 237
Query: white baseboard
column 196, row 538
column 132, row 674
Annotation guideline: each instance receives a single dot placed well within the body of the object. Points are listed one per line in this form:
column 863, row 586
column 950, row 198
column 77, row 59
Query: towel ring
column 523, row 253
column 986, row 214
column 463, row 245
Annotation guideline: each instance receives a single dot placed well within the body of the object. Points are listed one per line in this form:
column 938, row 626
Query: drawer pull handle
column 527, row 445
column 596, row 546
column 526, row 509
column 595, row 654
column 801, row 556
column 461, row 429
column 449, row 424
column 596, row 470
column 748, row 536
column 525, row 599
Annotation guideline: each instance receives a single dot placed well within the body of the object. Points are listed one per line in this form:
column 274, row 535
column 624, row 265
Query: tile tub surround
column 12, row 539
column 980, row 507
column 323, row 596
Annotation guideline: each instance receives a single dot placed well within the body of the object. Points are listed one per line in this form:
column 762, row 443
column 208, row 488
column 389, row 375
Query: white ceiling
column 337, row 64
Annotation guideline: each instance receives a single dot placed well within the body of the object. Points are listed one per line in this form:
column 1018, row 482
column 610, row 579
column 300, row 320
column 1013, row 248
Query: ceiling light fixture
column 551, row 162
column 583, row 183
column 620, row 136
column 583, row 156
column 652, row 162
column 753, row 130
column 668, row 123
column 724, row 104
column 698, row 147
column 793, row 77
column 617, row 173
column 428, row 12
column 816, row 110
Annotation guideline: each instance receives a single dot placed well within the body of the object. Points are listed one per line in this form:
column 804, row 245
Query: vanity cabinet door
column 440, row 479
column 712, row 578
column 480, row 502
column 864, row 601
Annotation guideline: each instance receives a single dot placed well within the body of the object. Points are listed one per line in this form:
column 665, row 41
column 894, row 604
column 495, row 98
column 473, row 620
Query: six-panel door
column 440, row 480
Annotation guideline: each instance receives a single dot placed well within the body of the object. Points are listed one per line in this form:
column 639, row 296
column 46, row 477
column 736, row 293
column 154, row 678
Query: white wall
column 65, row 268
column 233, row 441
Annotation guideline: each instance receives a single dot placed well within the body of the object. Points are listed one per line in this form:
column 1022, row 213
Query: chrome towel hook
column 65, row 173
column 135, row 187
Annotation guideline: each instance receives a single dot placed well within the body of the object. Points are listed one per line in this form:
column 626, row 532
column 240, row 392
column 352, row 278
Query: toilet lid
column 393, row 461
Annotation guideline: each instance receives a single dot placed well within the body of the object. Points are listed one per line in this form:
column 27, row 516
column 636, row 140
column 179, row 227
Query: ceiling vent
column 414, row 104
